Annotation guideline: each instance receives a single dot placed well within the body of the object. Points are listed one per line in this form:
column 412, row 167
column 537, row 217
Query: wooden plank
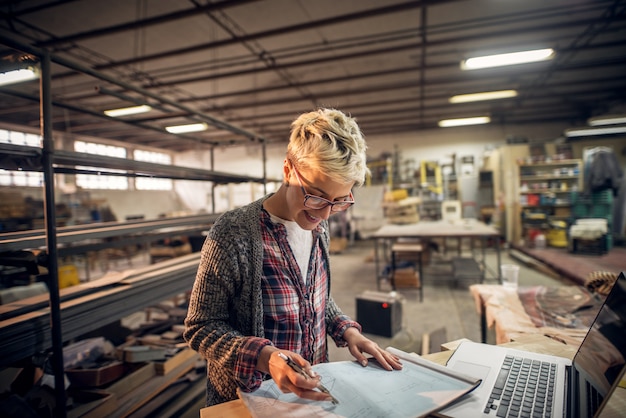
column 134, row 399
column 132, row 380
column 92, row 403
column 165, row 366
column 180, row 397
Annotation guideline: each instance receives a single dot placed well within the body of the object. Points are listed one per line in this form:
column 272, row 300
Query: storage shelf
column 550, row 205
column 34, row 325
column 543, row 191
column 72, row 236
column 66, row 162
column 550, row 200
column 548, row 177
column 553, row 163
column 26, row 331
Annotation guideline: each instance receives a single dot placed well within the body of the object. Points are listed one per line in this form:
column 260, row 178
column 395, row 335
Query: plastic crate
column 605, row 197
column 590, row 247
column 594, row 205
column 602, row 197
column 601, row 211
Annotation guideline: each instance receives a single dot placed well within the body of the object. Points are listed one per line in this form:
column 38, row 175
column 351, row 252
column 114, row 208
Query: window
column 149, row 183
column 101, row 181
column 99, row 149
column 20, row 138
column 18, row 177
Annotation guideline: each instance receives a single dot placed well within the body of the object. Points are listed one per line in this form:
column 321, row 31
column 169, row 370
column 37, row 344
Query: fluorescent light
column 605, row 130
column 511, row 58
column 17, row 76
column 607, row 120
column 486, row 95
column 181, row 129
column 124, row 111
column 480, row 120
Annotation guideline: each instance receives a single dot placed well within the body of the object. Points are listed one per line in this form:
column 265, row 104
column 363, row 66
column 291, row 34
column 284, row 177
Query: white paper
column 362, row 392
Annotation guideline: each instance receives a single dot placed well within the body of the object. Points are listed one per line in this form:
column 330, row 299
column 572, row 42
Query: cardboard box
column 96, row 376
column 406, row 278
column 337, row 245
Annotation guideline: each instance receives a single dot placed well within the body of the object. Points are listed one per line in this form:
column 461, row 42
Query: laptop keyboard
column 524, row 388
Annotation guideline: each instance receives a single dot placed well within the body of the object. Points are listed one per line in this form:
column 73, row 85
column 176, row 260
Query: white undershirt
column 300, row 241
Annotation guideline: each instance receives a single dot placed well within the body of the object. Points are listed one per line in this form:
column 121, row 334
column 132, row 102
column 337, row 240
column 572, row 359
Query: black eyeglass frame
column 338, row 206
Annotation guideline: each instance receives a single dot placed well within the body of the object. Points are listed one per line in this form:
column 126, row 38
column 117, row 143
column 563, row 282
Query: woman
column 263, row 284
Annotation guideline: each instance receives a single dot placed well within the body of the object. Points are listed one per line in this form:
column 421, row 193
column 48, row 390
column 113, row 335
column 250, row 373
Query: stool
column 407, row 249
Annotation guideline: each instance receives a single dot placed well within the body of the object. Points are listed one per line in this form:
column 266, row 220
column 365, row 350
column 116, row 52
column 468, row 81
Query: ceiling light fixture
column 182, row 129
column 605, row 130
column 511, row 58
column 607, row 120
column 125, row 111
column 18, row 76
column 480, row 120
column 486, row 95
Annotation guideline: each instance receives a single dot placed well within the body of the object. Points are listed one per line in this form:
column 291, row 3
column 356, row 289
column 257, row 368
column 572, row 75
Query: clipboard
column 419, row 389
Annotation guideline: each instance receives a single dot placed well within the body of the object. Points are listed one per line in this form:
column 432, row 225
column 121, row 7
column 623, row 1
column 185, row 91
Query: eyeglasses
column 316, row 202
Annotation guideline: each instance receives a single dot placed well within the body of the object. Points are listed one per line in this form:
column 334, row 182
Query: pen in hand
column 295, row 366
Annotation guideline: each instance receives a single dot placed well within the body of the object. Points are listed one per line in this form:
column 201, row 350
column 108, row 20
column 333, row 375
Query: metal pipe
column 404, row 85
column 212, row 165
column 105, row 117
column 506, row 31
column 396, row 8
column 424, row 43
column 51, row 234
column 127, row 98
column 264, row 153
column 309, row 62
column 113, row 80
column 139, row 24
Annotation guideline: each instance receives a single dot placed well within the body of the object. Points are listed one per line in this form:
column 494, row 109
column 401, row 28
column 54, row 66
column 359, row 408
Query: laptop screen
column 600, row 360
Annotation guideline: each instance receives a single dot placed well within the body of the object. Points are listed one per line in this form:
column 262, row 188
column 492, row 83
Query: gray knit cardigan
column 226, row 306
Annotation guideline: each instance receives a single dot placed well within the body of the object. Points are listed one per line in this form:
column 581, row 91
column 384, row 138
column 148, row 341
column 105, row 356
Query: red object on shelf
column 533, row 199
column 532, row 234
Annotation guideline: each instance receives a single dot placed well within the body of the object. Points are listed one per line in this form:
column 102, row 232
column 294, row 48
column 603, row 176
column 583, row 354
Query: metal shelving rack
column 27, row 330
column 546, row 188
column 65, row 318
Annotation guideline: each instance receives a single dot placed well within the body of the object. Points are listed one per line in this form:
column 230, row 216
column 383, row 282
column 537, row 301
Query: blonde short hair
column 330, row 141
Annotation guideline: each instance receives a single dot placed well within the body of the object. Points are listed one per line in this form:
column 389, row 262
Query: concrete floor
column 445, row 304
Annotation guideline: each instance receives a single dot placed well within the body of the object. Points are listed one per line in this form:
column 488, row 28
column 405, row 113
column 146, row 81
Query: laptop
column 581, row 387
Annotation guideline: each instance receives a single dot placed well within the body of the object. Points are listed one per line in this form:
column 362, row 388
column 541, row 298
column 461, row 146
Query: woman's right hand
column 289, row 380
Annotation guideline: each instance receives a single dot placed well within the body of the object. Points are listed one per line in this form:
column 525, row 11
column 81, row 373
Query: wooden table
column 534, row 343
column 427, row 231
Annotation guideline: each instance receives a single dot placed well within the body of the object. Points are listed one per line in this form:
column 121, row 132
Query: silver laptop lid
column 600, row 361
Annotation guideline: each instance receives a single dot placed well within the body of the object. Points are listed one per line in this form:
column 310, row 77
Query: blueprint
column 364, row 392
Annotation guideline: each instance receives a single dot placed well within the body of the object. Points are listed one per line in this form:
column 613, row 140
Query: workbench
column 563, row 313
column 425, row 232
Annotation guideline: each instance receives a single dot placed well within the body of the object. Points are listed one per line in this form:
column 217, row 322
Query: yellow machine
column 557, row 234
column 430, row 173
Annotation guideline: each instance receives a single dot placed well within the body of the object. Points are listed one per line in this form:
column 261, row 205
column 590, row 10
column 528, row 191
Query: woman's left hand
column 359, row 344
